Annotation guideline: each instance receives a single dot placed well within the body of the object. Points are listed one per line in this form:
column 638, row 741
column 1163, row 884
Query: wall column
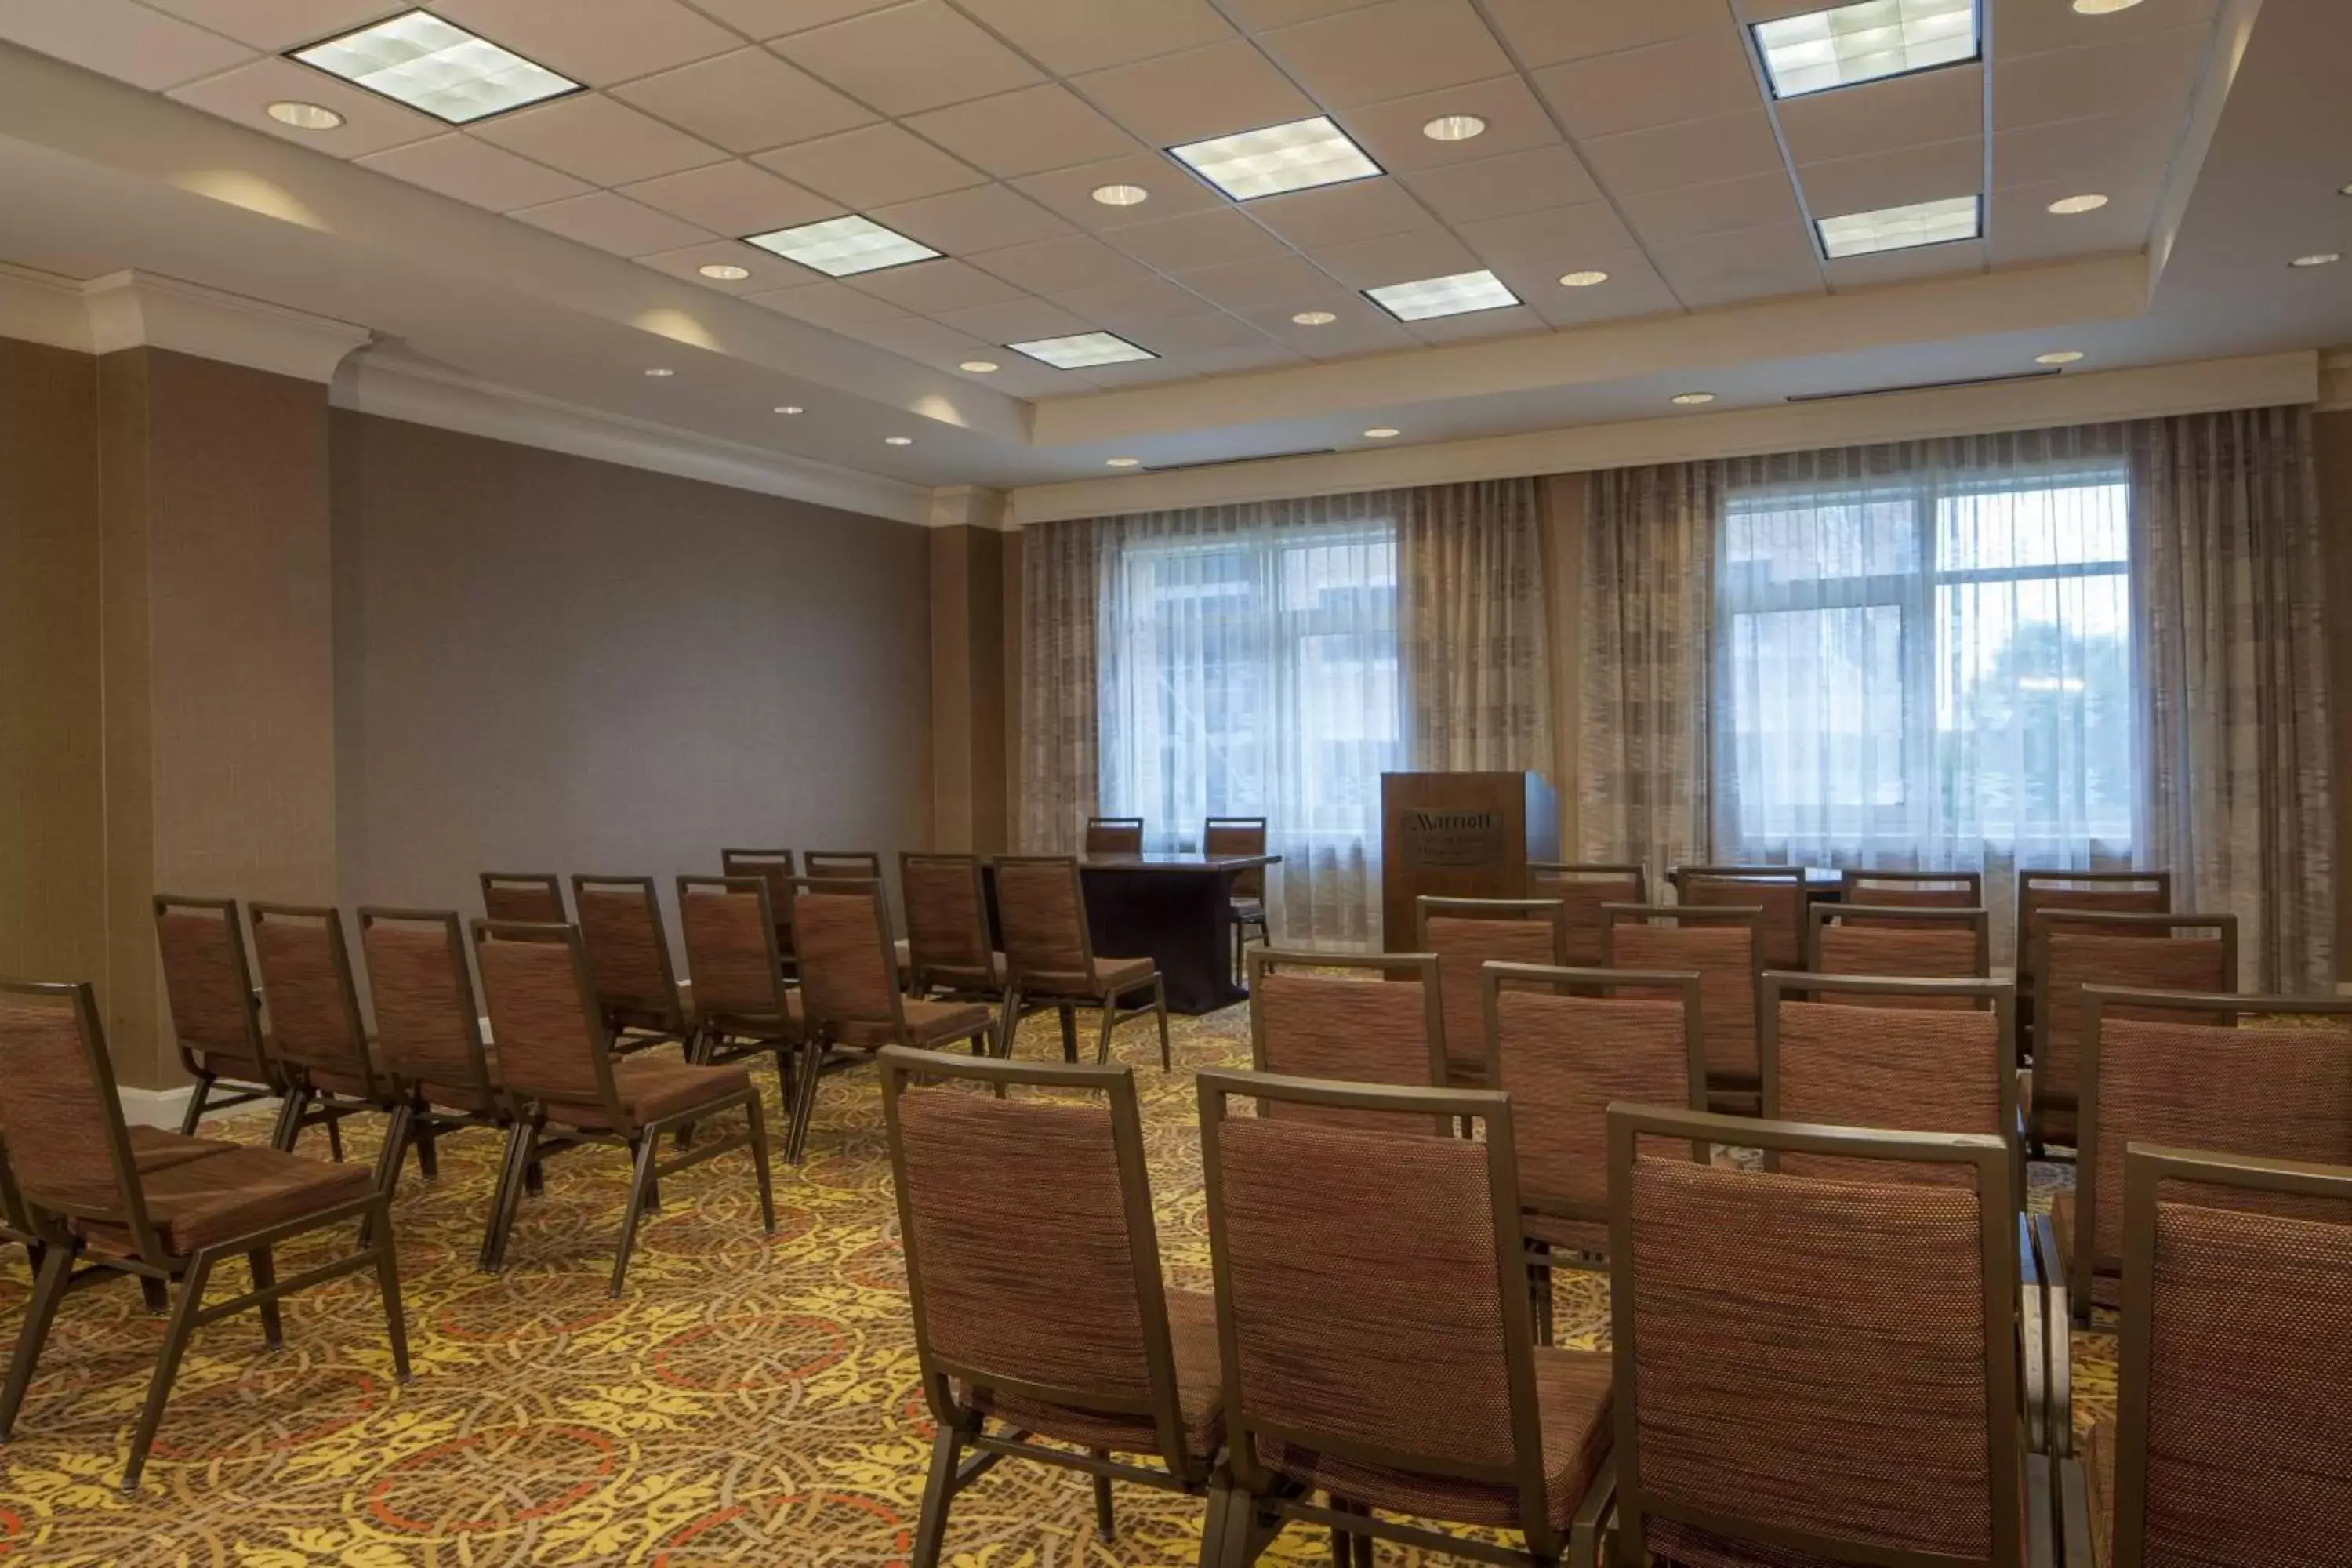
column 968, row 676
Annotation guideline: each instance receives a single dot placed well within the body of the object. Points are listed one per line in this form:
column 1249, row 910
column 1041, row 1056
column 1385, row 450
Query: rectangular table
column 1176, row 910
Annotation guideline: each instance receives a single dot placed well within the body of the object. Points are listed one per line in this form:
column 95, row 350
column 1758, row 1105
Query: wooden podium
column 1459, row 835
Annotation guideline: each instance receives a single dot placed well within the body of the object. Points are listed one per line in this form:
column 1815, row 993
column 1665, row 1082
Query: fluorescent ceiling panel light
column 1850, row 44
column 1294, row 157
column 1432, row 297
column 1082, row 350
column 418, row 59
column 1901, row 228
column 843, row 246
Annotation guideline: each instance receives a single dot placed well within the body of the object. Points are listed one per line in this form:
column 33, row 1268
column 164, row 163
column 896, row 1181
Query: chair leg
column 288, row 1131
column 939, row 1494
column 196, row 1111
column 758, row 1120
column 499, row 1193
column 387, row 1280
column 525, row 1140
column 1539, row 1289
column 428, row 1153
column 1070, row 1015
column 1110, row 1022
column 647, row 1145
column 388, row 1160
column 803, row 1106
column 335, row 1138
column 265, row 1277
column 49, row 1289
column 176, row 1335
column 153, row 1296
column 1106, row 1523
column 1160, row 1005
column 1008, row 1022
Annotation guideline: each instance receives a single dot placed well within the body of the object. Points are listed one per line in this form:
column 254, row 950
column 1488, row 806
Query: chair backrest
column 1223, row 836
column 1372, row 1297
column 2097, row 892
column 207, row 981
column 841, row 866
column 1716, row 944
column 533, row 898
column 2156, row 1071
column 1810, row 1369
column 306, row 983
column 1909, row 942
column 849, row 974
column 2129, row 952
column 1383, row 1027
column 1911, row 889
column 1114, row 836
column 1583, row 888
column 777, row 866
column 948, row 942
column 1948, row 1065
column 1567, row 1044
column 1041, row 911
column 429, row 1024
column 628, row 955
column 1466, row 935
column 2232, row 1445
column 1058, row 1298
column 60, row 1119
column 1778, row 890
column 554, row 1045
column 730, row 929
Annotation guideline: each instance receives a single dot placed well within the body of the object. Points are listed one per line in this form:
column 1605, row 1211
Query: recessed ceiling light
column 2063, row 356
column 2068, row 206
column 979, row 366
column 843, row 246
column 659, row 373
column 1901, row 228
column 418, row 59
column 2102, row 8
column 1123, row 462
column 1582, row 279
column 305, row 116
column 1315, row 318
column 1121, row 196
column 788, row 408
column 1379, row 433
column 1454, row 128
column 897, row 440
column 1430, row 298
column 1081, row 350
column 1293, row 157
column 2318, row 258
column 1693, row 399
column 725, row 271
column 1849, row 44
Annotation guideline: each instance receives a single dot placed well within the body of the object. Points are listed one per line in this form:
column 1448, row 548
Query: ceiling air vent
column 1228, row 462
column 1921, row 386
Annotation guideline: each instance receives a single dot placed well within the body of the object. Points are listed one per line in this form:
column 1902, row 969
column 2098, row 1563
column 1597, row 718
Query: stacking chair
column 320, row 1043
column 1582, row 887
column 1565, row 1044
column 2155, row 1070
column 215, row 1016
column 777, row 868
column 1373, row 1307
column 1912, row 890
column 1384, row 1026
column 841, row 865
column 628, row 955
column 1817, row 1371
column 2095, row 892
column 1241, row 836
column 1114, row 836
column 2073, row 949
column 2229, row 1443
column 744, row 1005
column 1047, row 1315
column 949, row 949
column 1778, row 891
column 1919, row 941
column 1049, row 951
column 533, row 898
column 108, row 1200
column 1719, row 946
column 556, row 1059
column 850, row 996
column 1466, row 935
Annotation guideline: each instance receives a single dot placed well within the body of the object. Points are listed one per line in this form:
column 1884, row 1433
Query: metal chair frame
column 241, row 1092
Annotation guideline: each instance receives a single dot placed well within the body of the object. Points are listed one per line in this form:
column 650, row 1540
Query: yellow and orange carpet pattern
column 750, row 1399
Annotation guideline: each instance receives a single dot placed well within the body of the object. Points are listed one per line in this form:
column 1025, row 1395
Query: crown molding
column 970, row 506
column 145, row 310
column 2335, row 381
column 450, row 400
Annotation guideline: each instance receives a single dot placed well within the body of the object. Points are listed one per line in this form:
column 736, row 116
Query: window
column 1928, row 668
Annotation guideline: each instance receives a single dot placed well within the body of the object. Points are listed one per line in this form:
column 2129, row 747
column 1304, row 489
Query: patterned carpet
column 751, row 1399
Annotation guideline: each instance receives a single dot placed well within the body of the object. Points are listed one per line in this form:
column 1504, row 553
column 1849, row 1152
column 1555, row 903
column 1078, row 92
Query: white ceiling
column 1631, row 136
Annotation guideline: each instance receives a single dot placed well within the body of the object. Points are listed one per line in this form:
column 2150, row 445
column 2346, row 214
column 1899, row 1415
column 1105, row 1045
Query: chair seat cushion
column 1110, row 974
column 649, row 1089
column 153, row 1149
column 201, row 1201
column 968, row 977
column 1200, row 1394
column 927, row 1022
column 1572, row 1396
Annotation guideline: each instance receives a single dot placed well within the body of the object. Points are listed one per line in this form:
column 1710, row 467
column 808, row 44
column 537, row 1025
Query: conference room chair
column 777, row 868
column 2096, row 892
column 2073, row 949
column 628, row 957
column 1352, row 1019
column 1466, row 935
column 428, row 1031
column 1241, row 836
column 841, row 866
column 531, row 898
column 1912, row 890
column 949, row 951
column 1921, row 942
column 1372, row 1305
column 1718, row 945
column 2229, row 1443
column 1583, row 887
column 215, row 1018
column 1046, row 1316
column 318, row 1040
column 2157, row 1069
column 1778, row 891
column 1049, row 953
column 1114, row 836
column 850, row 997
column 744, row 1005
column 1817, row 1372
column 109, row 1201
column 1565, row 1044
column 556, row 1058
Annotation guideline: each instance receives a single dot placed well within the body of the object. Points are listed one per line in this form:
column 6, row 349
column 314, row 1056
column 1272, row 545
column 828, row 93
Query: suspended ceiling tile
column 2093, row 154
column 2144, row 74
column 595, row 41
column 916, row 337
column 929, row 288
column 1545, row 31
column 1396, row 258
column 1696, row 151
column 1686, row 210
column 1689, row 77
column 1261, row 15
column 909, row 57
column 986, row 217
column 1263, row 280
column 767, row 272
column 1747, row 264
column 1173, row 190
column 874, row 166
column 1026, row 132
column 1128, row 308
column 746, row 102
column 1899, row 178
column 1194, row 240
column 371, row 122
column 614, row 222
column 599, row 139
column 1509, row 322
column 274, row 26
column 1070, row 262
column 1633, row 289
column 1213, row 91
column 2022, row 229
column 2030, row 26
column 1358, row 327
column 1017, row 322
column 1389, row 51
column 1902, row 111
column 1532, row 181
column 733, row 198
column 1068, row 37
column 829, row 305
column 773, row 18
column 1958, row 258
column 474, row 171
column 1562, row 240
column 117, row 38
column 1391, row 132
column 1336, row 214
